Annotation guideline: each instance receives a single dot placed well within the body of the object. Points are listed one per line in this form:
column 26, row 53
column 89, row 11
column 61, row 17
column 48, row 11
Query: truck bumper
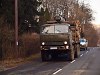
column 54, row 52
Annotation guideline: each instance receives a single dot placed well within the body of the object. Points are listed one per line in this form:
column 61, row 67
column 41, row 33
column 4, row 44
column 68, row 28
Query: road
column 87, row 64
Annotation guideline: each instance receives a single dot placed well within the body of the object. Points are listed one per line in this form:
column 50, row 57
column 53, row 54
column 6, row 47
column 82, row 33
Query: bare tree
column 70, row 9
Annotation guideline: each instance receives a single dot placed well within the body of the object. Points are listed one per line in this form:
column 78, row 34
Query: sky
column 95, row 6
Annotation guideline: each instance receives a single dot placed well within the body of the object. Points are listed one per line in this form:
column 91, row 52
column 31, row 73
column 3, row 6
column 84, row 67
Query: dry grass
column 11, row 63
column 29, row 48
column 29, row 44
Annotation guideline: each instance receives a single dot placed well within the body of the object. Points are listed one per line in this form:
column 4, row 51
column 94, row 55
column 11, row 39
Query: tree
column 47, row 15
column 70, row 9
column 7, row 11
column 89, row 28
column 27, row 12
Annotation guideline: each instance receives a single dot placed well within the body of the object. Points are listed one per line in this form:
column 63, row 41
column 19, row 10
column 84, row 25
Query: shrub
column 29, row 44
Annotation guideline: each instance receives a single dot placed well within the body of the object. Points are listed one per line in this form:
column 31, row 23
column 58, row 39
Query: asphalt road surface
column 87, row 64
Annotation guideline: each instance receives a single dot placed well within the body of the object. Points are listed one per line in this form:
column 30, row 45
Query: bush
column 29, row 44
column 7, row 43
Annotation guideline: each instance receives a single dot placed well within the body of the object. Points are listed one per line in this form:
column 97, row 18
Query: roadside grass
column 28, row 51
column 11, row 63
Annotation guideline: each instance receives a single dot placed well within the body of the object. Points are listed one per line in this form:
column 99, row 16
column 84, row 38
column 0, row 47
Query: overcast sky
column 95, row 6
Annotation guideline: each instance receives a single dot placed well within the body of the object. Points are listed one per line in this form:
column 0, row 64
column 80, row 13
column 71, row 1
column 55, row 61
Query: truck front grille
column 54, row 43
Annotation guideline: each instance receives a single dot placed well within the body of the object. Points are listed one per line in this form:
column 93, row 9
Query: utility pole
column 16, row 25
column 77, row 10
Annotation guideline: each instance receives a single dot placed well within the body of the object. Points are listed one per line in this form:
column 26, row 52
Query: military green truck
column 58, row 38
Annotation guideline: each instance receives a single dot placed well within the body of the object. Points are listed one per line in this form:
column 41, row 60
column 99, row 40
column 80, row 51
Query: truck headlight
column 65, row 42
column 43, row 43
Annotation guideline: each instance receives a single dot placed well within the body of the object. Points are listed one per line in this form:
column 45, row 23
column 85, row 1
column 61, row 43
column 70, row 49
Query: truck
column 59, row 38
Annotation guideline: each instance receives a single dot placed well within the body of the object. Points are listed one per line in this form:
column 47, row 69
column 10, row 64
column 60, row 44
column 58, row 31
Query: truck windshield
column 55, row 28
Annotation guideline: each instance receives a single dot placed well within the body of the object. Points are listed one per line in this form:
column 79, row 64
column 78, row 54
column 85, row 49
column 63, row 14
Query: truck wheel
column 86, row 48
column 71, row 55
column 45, row 56
column 77, row 52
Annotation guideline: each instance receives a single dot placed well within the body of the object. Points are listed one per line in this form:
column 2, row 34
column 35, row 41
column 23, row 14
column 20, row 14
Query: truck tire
column 45, row 56
column 77, row 52
column 86, row 48
column 71, row 54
